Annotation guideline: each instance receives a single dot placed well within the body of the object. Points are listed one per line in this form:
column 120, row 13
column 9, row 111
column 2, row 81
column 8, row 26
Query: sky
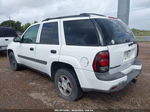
column 37, row 10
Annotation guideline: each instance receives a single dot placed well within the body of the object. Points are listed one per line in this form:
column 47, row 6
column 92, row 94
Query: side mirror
column 17, row 39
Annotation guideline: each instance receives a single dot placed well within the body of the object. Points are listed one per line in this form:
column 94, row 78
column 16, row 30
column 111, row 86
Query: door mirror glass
column 17, row 39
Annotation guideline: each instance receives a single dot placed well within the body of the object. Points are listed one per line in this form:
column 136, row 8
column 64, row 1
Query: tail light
column 101, row 62
column 137, row 50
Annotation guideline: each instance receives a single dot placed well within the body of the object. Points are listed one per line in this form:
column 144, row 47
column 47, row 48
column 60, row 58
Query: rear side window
column 49, row 34
column 6, row 32
column 80, row 33
column 115, row 31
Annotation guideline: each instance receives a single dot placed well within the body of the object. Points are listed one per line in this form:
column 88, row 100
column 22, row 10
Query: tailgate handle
column 53, row 51
column 6, row 39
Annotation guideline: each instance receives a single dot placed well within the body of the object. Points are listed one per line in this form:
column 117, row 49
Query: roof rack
column 81, row 15
column 65, row 17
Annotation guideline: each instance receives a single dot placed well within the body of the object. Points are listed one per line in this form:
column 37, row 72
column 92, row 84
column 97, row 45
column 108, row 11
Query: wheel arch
column 61, row 65
column 11, row 50
column 58, row 65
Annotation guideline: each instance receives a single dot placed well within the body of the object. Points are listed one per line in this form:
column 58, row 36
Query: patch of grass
column 138, row 38
column 141, row 32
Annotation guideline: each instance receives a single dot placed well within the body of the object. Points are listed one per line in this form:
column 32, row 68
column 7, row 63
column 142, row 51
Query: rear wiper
column 134, row 42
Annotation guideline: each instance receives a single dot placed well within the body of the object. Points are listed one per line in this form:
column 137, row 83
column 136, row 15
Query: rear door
column 120, row 42
column 48, row 47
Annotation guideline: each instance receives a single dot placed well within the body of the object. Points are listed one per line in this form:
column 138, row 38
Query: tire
column 66, row 79
column 13, row 63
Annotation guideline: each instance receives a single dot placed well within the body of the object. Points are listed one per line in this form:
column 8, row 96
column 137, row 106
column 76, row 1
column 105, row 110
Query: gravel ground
column 27, row 89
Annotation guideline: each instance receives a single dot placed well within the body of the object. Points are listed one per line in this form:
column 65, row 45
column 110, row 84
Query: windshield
column 115, row 31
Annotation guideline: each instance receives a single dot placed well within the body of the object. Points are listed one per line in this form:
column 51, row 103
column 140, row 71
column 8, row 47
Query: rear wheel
column 13, row 63
column 67, row 84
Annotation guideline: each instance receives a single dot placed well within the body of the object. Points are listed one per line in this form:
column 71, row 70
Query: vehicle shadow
column 36, row 72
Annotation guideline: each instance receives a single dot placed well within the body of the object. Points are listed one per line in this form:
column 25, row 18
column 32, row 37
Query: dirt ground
column 28, row 89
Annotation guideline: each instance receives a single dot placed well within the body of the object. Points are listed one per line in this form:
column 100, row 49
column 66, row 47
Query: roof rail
column 81, row 15
column 89, row 14
column 47, row 19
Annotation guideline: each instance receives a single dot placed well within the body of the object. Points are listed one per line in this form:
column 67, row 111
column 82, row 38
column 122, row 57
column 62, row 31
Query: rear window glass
column 49, row 33
column 80, row 33
column 6, row 32
column 115, row 31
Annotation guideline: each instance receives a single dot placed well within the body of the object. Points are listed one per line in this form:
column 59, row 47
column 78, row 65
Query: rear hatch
column 121, row 43
column 4, row 41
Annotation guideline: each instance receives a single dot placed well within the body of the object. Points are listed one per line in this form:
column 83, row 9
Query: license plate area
column 127, row 54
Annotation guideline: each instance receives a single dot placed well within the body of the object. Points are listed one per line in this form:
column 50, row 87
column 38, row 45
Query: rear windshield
column 6, row 32
column 115, row 31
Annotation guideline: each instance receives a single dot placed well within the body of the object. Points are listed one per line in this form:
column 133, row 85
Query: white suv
column 6, row 37
column 81, row 53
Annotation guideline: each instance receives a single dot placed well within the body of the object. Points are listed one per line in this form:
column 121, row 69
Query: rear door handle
column 6, row 39
column 53, row 51
column 31, row 49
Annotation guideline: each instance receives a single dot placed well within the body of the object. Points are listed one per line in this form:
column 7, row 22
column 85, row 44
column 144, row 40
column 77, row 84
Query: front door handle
column 31, row 49
column 6, row 39
column 53, row 51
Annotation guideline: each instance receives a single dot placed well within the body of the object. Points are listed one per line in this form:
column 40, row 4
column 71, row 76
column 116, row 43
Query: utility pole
column 123, row 10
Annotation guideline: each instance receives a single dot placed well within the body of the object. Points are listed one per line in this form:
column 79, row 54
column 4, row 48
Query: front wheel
column 13, row 63
column 67, row 84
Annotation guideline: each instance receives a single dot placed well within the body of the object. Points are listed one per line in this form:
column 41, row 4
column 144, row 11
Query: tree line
column 16, row 25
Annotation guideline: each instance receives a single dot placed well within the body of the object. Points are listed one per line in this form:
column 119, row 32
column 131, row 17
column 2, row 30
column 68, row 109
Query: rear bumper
column 114, row 82
column 130, row 76
column 110, row 77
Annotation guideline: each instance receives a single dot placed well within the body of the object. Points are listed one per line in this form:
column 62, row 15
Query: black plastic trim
column 33, row 59
column 114, row 67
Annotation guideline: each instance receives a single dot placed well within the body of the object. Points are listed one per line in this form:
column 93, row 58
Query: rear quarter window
column 115, row 31
column 80, row 33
